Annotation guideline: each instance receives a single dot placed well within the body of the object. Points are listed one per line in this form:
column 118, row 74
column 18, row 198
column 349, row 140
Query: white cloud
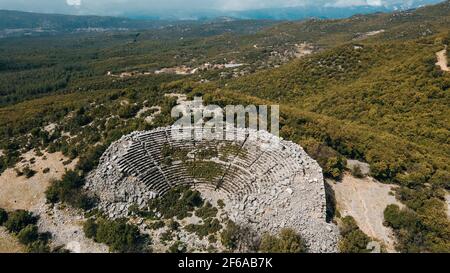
column 73, row 2
column 374, row 3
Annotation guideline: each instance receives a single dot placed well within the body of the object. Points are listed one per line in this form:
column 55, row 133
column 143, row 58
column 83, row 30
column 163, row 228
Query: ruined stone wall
column 274, row 185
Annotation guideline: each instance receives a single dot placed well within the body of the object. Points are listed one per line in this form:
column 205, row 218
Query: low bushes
column 69, row 190
column 18, row 220
column 23, row 224
column 117, row 234
column 288, row 241
column 353, row 239
column 210, row 226
column 230, row 236
column 178, row 202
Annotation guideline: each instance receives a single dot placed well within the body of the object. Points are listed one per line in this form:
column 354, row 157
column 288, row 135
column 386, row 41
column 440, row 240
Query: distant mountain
column 18, row 19
column 296, row 13
column 284, row 13
column 17, row 24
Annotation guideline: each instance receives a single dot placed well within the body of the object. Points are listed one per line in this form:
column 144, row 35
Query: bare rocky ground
column 191, row 241
column 66, row 226
column 19, row 192
column 364, row 167
column 304, row 49
column 365, row 200
column 447, row 198
column 149, row 118
column 8, row 243
column 442, row 60
column 291, row 195
column 362, row 36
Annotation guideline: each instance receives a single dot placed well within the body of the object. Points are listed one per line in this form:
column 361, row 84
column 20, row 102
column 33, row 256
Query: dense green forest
column 390, row 88
column 377, row 98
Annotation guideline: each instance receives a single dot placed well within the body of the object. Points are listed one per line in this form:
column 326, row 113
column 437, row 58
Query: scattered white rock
column 254, row 190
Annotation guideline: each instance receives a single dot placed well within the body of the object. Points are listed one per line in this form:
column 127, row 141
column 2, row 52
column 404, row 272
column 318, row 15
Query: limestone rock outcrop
column 267, row 185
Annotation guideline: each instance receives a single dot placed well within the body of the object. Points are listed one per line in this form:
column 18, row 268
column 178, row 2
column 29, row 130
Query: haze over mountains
column 207, row 9
column 50, row 17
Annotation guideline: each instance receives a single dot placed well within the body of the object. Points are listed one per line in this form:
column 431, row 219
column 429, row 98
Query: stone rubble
column 277, row 185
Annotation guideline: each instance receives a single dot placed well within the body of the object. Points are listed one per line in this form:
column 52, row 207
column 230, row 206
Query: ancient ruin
column 266, row 183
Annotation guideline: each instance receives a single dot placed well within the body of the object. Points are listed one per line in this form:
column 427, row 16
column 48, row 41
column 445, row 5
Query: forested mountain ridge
column 223, row 40
column 17, row 19
column 397, row 25
column 19, row 24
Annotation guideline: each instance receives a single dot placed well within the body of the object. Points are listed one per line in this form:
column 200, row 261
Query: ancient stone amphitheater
column 266, row 183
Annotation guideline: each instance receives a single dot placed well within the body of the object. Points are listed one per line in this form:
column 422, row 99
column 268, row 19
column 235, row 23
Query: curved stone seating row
column 176, row 175
column 144, row 160
column 269, row 185
column 154, row 180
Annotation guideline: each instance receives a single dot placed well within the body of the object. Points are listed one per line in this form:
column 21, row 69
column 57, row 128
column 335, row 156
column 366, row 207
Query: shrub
column 69, row 190
column 166, row 236
column 206, row 211
column 28, row 172
column 230, row 236
column 18, row 220
column 38, row 246
column 178, row 247
column 220, row 203
column 90, row 159
column 157, row 225
column 207, row 170
column 426, row 229
column 353, row 239
column 90, row 228
column 212, row 238
column 178, row 202
column 173, row 225
column 128, row 111
column 210, row 226
column 117, row 234
column 80, row 118
column 28, row 234
column 332, row 163
column 3, row 216
column 287, row 242
column 356, row 172
column 334, row 167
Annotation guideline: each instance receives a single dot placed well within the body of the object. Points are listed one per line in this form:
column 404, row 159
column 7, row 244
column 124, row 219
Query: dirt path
column 365, row 200
column 442, row 59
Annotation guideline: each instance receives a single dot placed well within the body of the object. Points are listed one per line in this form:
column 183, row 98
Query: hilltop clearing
column 20, row 192
column 442, row 59
column 28, row 193
column 365, row 200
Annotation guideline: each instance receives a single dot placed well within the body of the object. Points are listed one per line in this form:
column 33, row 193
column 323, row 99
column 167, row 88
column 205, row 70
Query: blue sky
column 117, row 7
